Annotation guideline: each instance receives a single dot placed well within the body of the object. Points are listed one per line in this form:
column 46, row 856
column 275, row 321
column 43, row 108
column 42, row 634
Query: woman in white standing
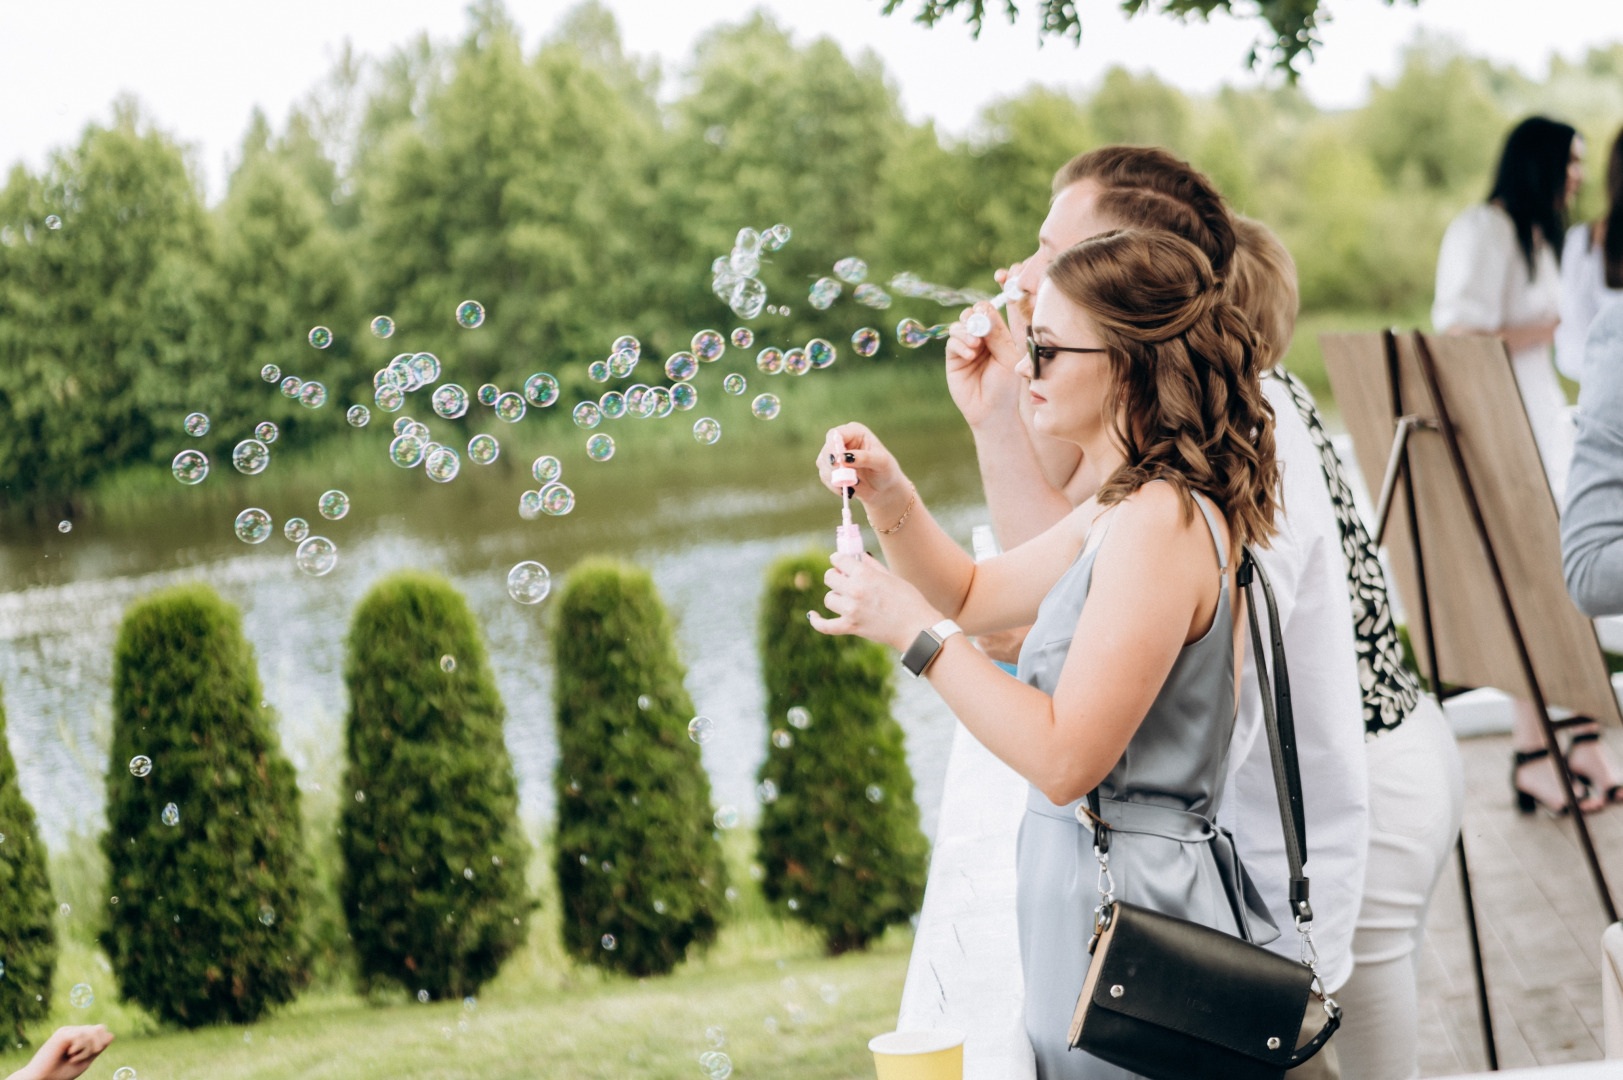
column 1591, row 271
column 1497, row 273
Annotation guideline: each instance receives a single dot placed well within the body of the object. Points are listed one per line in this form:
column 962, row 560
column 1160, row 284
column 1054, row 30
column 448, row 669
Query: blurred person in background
column 1591, row 270
column 1498, row 273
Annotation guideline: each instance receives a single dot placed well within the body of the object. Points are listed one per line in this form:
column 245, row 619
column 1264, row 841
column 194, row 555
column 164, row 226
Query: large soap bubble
column 866, row 341
column 587, row 415
column 769, row 360
column 450, row 401
column 706, row 430
column 529, row 582
column 510, row 407
column 557, row 499
column 250, row 457
column 823, row 293
column 190, row 466
column 470, row 314
column 546, row 469
column 382, row 326
column 708, row 345
column 196, row 425
column 541, row 389
column 871, row 295
column 483, row 449
column 851, row 270
column 333, row 504
column 765, row 407
column 442, row 464
column 320, row 337
column 600, row 447
column 820, row 353
column 253, row 526
column 358, row 416
column 316, row 556
column 681, row 366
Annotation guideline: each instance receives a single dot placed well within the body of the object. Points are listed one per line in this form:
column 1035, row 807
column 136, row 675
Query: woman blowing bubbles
column 1135, row 358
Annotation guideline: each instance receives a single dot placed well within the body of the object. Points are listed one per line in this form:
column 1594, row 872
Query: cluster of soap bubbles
column 733, row 277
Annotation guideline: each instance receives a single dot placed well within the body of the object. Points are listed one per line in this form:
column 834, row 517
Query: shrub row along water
column 210, row 884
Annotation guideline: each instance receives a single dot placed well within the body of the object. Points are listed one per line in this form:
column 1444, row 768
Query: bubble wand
column 848, row 537
column 980, row 324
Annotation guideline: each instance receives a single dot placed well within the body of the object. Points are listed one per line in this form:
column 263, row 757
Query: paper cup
column 937, row 1054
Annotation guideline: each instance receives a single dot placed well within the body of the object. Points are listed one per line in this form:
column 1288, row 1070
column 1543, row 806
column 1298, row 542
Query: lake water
column 706, row 521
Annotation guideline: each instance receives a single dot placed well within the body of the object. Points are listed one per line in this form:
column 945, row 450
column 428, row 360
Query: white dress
column 1483, row 284
column 1584, row 295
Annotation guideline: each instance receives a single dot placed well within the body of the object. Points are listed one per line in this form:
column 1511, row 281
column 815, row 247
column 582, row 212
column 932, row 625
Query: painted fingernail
column 809, row 615
column 849, row 457
column 831, row 459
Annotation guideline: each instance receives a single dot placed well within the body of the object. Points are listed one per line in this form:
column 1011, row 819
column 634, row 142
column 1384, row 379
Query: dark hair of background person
column 1532, row 181
column 1185, row 363
column 1146, row 187
column 1609, row 230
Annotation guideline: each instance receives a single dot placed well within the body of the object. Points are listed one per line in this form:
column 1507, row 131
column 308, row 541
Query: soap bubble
column 747, row 240
column 823, row 293
column 708, row 345
column 320, row 337
column 701, row 729
column 769, row 360
column 681, row 366
column 253, row 525
column 470, row 1003
column 447, row 663
column 600, row 447
column 295, row 529
column 529, row 505
column 270, row 373
column 407, row 451
column 140, row 766
column 744, row 264
column 782, row 739
column 716, row 1065
column 53, row 222
column 64, row 526
column 820, row 353
column 626, row 343
column 358, row 416
column 734, row 384
column 385, row 376
column 612, row 404
column 799, row 717
column 124, row 1073
column 726, row 817
column 661, row 402
column 470, row 314
column 266, row 432
column 587, row 415
column 871, row 295
column 875, row 793
column 715, row 1036
column 190, row 466
column 333, row 505
column 541, row 389
column 382, row 326
column 766, row 792
column 291, row 386
column 483, row 449
column 403, row 424
column 775, row 237
column 622, row 364
column 450, row 401
column 316, row 555
column 529, row 582
column 81, row 996
column 609, row 943
column 796, row 362
column 851, row 270
column 266, row 915
column 546, row 469
column 312, row 395
column 684, row 396
column 442, row 464
column 912, row 333
column 488, row 394
column 196, row 425
column 250, row 457
column 866, row 341
column 557, row 499
column 706, row 430
column 170, row 815
column 388, row 398
column 511, row 407
column 742, row 337
column 598, row 371
column 422, row 997
column 747, row 298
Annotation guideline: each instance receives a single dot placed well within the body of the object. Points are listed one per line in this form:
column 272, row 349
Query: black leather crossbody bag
column 1172, row 999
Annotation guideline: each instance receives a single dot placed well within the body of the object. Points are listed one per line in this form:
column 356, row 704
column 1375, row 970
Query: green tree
column 433, row 882
column 27, row 934
column 640, row 873
column 841, row 842
column 203, row 843
column 1436, row 125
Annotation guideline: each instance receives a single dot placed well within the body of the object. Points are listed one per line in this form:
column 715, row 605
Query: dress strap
column 1217, row 539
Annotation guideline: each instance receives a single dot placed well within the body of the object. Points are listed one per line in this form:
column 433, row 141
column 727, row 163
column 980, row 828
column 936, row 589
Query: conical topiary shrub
column 433, row 883
column 27, row 935
column 203, row 844
column 639, row 869
column 840, row 839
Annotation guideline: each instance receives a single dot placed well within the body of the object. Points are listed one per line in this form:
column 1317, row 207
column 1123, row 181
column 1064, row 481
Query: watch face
column 921, row 652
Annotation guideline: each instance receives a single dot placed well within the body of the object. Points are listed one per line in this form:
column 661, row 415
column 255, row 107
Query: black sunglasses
column 1042, row 354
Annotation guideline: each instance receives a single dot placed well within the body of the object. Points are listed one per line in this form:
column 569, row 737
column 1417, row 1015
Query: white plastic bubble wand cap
column 979, row 323
column 848, row 537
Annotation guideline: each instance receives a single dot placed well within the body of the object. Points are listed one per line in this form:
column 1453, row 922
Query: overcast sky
column 200, row 66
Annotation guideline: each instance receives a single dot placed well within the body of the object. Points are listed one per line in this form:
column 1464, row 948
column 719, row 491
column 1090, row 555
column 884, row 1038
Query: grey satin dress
column 1166, row 854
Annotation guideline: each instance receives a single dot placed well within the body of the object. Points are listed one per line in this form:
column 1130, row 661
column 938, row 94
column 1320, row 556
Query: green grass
column 543, row 1016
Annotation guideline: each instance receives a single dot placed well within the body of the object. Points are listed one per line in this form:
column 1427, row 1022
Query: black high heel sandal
column 1526, row 801
column 1613, row 792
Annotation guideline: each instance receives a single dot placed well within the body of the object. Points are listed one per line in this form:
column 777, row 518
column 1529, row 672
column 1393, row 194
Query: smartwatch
column 927, row 646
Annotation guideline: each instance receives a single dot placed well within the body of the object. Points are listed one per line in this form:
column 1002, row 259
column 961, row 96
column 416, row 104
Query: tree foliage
column 639, row 868
column 840, row 843
column 204, row 851
column 27, row 934
column 433, row 883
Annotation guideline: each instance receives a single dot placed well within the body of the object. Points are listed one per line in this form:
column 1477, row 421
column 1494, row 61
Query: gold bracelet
column 912, row 502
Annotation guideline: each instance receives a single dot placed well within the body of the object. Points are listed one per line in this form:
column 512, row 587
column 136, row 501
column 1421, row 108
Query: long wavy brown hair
column 1185, row 366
